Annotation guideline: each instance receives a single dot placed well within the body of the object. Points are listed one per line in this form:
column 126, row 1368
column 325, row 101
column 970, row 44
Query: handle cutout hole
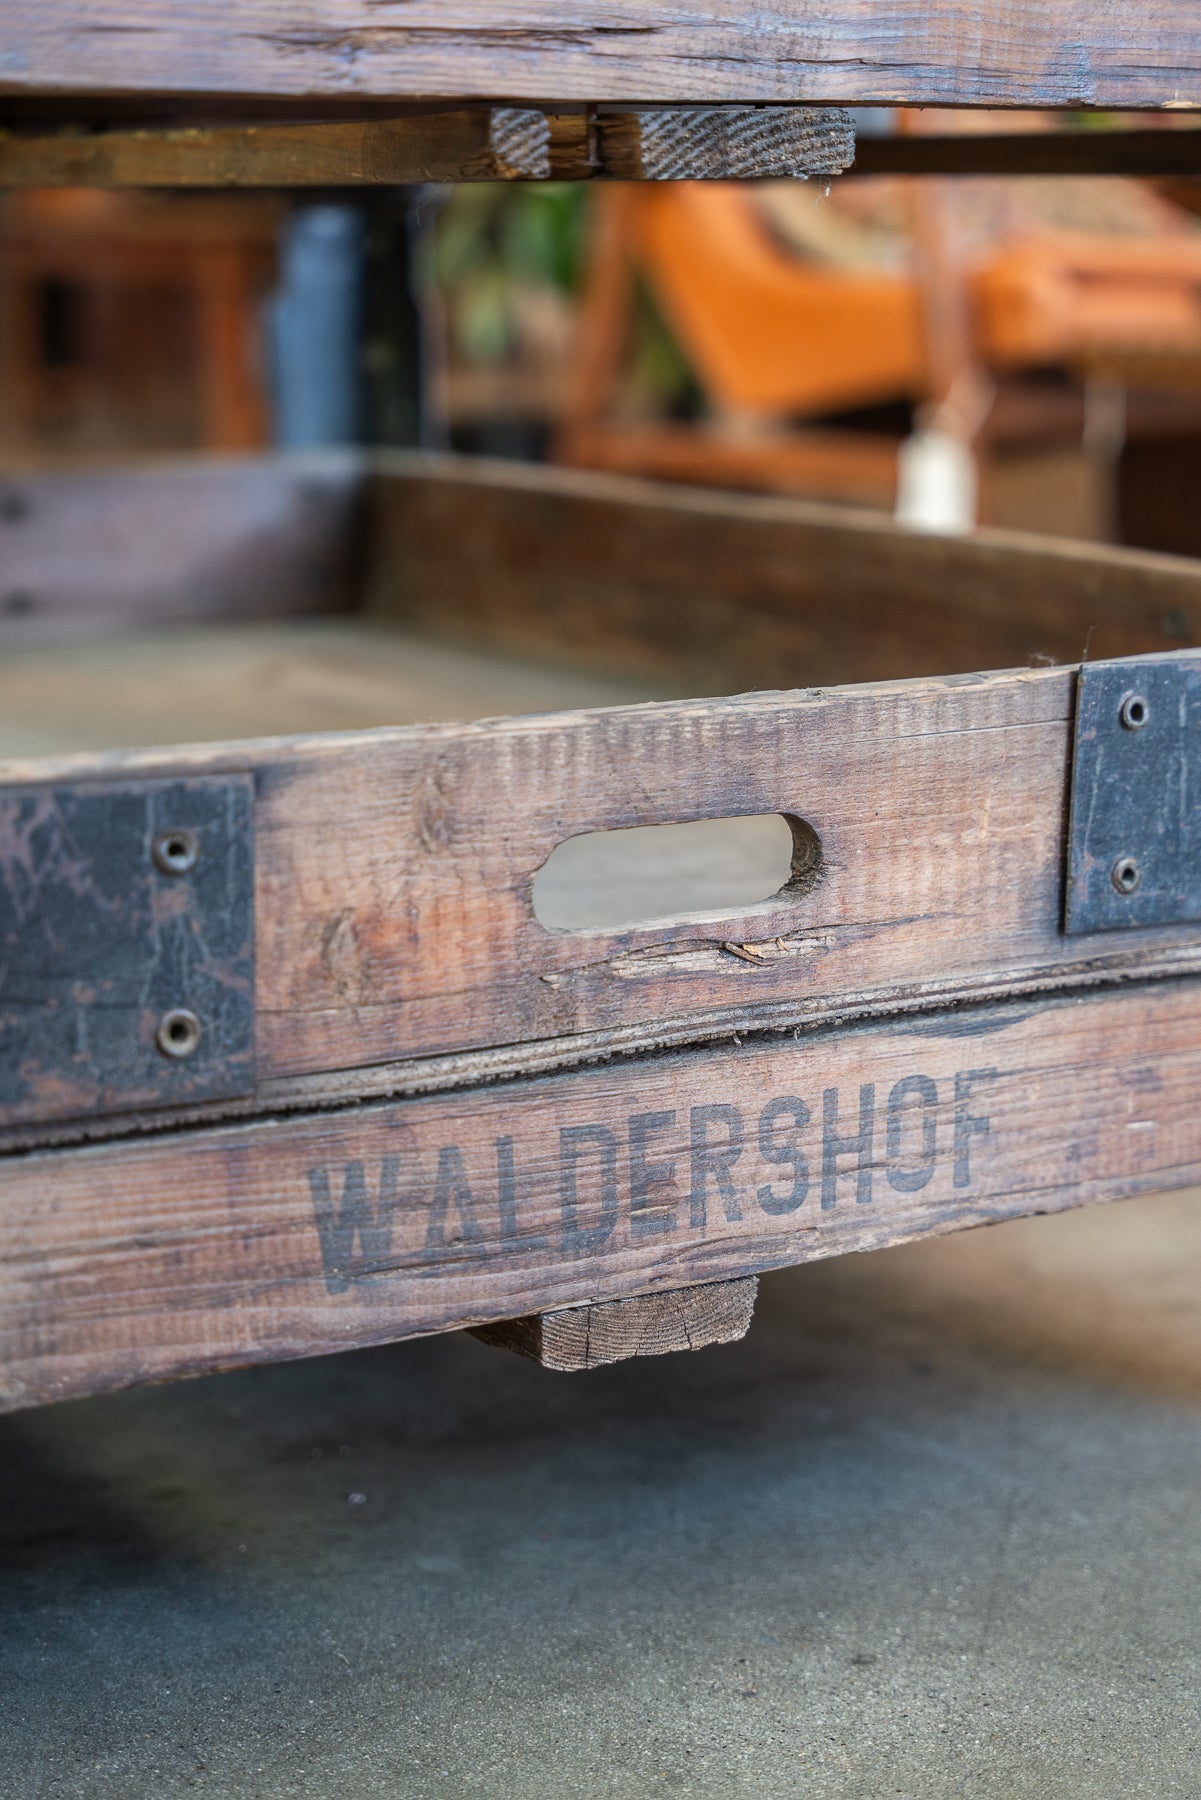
column 653, row 874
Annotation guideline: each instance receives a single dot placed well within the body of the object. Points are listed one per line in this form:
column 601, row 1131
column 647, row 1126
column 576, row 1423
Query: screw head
column 1134, row 711
column 1125, row 875
column 178, row 1033
column 175, row 852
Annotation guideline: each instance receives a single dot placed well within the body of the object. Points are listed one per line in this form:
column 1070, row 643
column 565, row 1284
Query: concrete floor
column 933, row 1529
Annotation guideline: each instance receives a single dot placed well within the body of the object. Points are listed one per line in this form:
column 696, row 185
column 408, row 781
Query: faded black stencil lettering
column 858, row 1145
column 594, row 1145
column 714, row 1156
column 451, row 1185
column 911, row 1116
column 968, row 1125
column 783, row 1149
column 506, row 1195
column 652, row 1184
column 354, row 1215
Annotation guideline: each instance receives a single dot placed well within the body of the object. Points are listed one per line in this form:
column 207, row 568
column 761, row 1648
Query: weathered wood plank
column 609, row 1331
column 485, row 144
column 1116, row 152
column 198, row 538
column 712, row 592
column 139, row 1260
column 397, row 943
column 1006, row 52
column 450, row 146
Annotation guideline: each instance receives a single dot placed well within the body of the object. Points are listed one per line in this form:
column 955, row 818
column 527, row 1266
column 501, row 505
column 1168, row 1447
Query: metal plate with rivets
column 126, row 946
column 1134, row 837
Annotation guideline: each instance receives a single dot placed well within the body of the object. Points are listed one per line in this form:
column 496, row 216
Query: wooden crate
column 453, row 1115
column 406, row 1105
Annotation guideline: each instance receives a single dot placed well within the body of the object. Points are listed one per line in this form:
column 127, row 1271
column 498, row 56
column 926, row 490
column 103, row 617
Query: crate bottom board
column 141, row 1260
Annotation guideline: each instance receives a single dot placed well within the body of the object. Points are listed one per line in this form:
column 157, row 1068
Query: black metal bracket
column 1134, row 837
column 126, row 946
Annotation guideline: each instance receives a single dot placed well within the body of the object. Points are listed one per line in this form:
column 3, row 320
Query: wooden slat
column 465, row 144
column 201, row 538
column 397, row 945
column 135, row 1261
column 940, row 51
column 713, row 592
column 450, row 146
column 484, row 144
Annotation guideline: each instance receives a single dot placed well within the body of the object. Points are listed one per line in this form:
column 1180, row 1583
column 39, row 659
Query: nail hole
column 1125, row 875
column 1134, row 712
column 178, row 1032
column 175, row 852
column 13, row 507
column 647, row 874
column 17, row 605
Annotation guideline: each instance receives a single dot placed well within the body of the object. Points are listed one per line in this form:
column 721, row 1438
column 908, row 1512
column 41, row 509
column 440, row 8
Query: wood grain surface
column 940, row 52
column 179, row 540
column 446, row 146
column 397, row 944
column 714, row 591
column 464, row 144
column 138, row 1260
column 609, row 1331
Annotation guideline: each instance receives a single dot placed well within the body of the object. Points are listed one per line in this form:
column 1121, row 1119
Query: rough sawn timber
column 948, row 52
column 139, row 1260
column 608, row 1331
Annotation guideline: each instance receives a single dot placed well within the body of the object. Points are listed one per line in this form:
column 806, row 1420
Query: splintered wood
column 610, row 1331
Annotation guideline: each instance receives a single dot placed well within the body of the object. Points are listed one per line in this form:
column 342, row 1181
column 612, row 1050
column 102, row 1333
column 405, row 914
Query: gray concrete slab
column 931, row 1530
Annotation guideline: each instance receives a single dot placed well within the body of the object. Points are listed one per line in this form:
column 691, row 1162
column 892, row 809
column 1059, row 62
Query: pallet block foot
column 585, row 1337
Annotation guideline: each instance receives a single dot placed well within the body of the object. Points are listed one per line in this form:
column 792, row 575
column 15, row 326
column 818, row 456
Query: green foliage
column 493, row 242
column 492, row 245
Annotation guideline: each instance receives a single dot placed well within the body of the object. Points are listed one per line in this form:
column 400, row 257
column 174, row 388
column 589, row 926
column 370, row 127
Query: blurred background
column 1022, row 351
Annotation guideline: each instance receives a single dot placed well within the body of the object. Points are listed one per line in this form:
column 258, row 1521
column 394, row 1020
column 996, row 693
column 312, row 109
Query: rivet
column 1134, row 711
column 1125, row 875
column 175, row 852
column 178, row 1033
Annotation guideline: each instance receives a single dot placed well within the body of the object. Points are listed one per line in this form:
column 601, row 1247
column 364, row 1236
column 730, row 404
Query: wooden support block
column 610, row 1331
column 725, row 143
